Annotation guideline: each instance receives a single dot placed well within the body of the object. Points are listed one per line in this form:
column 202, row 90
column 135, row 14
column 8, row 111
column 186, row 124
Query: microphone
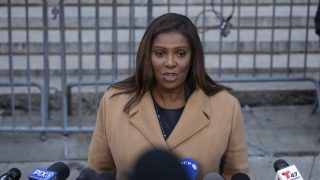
column 61, row 168
column 87, row 174
column 240, row 176
column 286, row 172
column 213, row 176
column 190, row 167
column 90, row 174
column 12, row 174
column 57, row 171
column 106, row 176
column 158, row 165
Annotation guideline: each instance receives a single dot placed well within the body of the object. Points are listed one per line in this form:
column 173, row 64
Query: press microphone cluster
column 57, row 171
column 286, row 172
column 12, row 174
column 161, row 164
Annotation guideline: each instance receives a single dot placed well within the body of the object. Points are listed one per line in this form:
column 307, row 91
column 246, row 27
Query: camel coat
column 210, row 131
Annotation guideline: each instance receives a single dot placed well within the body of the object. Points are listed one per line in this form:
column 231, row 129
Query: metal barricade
column 17, row 83
column 73, row 50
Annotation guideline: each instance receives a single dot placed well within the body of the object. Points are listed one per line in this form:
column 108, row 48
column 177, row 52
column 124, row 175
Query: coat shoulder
column 114, row 93
column 225, row 97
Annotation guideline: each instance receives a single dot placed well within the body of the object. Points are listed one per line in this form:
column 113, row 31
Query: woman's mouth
column 169, row 76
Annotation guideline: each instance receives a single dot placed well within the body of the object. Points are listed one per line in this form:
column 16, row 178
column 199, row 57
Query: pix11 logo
column 43, row 174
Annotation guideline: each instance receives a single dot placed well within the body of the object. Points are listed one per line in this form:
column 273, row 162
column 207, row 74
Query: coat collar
column 196, row 116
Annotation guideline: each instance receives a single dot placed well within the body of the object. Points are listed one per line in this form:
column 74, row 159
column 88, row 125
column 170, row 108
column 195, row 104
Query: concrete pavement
column 273, row 132
column 291, row 133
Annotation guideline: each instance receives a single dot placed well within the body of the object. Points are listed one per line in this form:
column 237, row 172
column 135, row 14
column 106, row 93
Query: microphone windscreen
column 240, row 176
column 158, row 165
column 213, row 176
column 280, row 164
column 106, row 176
column 62, row 170
column 87, row 174
column 190, row 167
column 13, row 173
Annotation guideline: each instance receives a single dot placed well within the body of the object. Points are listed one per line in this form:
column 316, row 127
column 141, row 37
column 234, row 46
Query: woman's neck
column 169, row 99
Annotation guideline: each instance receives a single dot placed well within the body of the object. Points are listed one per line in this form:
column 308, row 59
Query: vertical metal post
column 97, row 39
column 203, row 24
column 238, row 39
column 203, row 27
column 272, row 37
column 289, row 39
column 63, row 65
column 306, row 41
column 114, row 41
column 131, row 36
column 254, row 68
column 220, row 42
column 13, row 101
column 80, row 65
column 46, row 83
column 149, row 13
column 186, row 7
column 97, row 50
column 30, row 119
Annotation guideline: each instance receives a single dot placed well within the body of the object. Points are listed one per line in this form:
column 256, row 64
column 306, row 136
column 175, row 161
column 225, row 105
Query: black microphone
column 213, row 176
column 107, row 175
column 12, row 174
column 90, row 174
column 61, row 168
column 240, row 176
column 58, row 170
column 158, row 165
column 87, row 174
column 280, row 164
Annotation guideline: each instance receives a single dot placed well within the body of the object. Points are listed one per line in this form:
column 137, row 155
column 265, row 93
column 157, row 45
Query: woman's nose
column 170, row 62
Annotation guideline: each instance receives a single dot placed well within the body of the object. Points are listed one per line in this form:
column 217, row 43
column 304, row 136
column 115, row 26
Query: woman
column 169, row 103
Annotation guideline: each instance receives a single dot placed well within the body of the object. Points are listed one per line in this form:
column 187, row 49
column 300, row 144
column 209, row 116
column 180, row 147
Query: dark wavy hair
column 143, row 79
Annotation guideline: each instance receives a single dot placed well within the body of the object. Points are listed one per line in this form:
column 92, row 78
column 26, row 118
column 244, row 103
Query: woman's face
column 171, row 58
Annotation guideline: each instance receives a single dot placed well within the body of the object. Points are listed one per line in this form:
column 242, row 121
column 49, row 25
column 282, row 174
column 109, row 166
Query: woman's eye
column 181, row 53
column 159, row 53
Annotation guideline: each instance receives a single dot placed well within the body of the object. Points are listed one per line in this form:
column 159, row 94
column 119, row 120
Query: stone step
column 89, row 64
column 123, row 48
column 246, row 21
column 19, row 36
column 247, row 13
column 55, row 81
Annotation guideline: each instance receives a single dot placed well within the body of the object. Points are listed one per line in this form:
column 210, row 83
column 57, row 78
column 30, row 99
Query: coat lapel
column 195, row 117
column 143, row 117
